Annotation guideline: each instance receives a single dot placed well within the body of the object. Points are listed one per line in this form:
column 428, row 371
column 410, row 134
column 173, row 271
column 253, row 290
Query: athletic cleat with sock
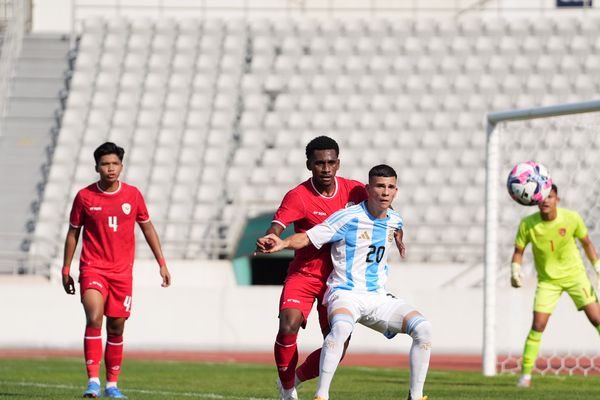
column 92, row 391
column 286, row 394
column 114, row 393
column 422, row 398
column 319, row 398
column 524, row 381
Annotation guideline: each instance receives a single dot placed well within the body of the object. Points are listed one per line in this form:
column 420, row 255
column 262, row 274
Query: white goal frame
column 491, row 211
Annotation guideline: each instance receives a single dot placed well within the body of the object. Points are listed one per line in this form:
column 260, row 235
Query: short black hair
column 321, row 143
column 382, row 170
column 554, row 189
column 108, row 148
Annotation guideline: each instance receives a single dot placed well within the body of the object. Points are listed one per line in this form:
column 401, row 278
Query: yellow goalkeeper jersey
column 554, row 249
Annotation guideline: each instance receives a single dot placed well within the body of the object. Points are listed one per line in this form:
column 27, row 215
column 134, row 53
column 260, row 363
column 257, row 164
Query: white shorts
column 373, row 310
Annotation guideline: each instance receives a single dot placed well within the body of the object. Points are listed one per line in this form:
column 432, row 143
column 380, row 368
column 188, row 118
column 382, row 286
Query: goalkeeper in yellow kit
column 552, row 232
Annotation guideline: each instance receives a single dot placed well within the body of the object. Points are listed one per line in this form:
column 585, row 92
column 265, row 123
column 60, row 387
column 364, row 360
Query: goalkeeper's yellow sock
column 532, row 347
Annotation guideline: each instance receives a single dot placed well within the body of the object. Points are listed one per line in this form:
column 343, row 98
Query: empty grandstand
column 214, row 114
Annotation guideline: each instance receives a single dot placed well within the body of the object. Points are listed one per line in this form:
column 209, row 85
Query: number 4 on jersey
column 127, row 302
column 112, row 223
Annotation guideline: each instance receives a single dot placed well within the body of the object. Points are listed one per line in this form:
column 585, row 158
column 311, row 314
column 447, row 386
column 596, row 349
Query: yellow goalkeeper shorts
column 548, row 292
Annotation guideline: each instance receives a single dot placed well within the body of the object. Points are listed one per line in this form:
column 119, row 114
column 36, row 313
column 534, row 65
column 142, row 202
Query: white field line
column 198, row 395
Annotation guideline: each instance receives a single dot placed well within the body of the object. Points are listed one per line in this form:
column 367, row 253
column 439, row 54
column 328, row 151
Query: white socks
column 420, row 330
column 342, row 326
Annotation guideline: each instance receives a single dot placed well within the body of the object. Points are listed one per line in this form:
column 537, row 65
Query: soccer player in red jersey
column 107, row 211
column 307, row 205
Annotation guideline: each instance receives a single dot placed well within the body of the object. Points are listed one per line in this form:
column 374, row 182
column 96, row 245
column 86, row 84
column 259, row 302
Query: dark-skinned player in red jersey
column 107, row 211
column 307, row 205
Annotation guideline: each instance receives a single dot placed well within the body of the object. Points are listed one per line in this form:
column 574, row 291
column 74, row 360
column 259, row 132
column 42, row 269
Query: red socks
column 113, row 357
column 92, row 350
column 286, row 359
column 310, row 367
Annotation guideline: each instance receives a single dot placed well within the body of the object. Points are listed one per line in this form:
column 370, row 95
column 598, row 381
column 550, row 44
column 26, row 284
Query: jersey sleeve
column 142, row 211
column 522, row 238
column 400, row 224
column 580, row 229
column 290, row 210
column 331, row 230
column 77, row 216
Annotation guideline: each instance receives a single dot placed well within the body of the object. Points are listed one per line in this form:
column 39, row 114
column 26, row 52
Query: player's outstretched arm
column 152, row 239
column 272, row 243
column 398, row 236
column 516, row 276
column 590, row 252
column 70, row 246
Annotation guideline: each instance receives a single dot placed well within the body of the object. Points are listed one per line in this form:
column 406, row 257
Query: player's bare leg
column 93, row 305
column 114, row 355
column 592, row 312
column 286, row 351
column 532, row 347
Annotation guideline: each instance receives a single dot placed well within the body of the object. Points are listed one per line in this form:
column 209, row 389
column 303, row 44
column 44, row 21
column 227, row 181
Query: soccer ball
column 529, row 183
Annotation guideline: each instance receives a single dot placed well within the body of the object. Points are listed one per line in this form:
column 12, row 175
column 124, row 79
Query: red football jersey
column 108, row 220
column 306, row 207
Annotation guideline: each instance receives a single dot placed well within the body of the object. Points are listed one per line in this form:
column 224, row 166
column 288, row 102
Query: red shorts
column 300, row 292
column 116, row 292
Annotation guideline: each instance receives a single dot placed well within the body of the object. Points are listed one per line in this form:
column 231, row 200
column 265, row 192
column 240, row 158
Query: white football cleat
column 524, row 381
column 286, row 394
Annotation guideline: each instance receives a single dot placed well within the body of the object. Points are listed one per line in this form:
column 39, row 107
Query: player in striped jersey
column 361, row 237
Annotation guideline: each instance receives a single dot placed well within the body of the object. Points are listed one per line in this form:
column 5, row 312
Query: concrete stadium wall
column 205, row 310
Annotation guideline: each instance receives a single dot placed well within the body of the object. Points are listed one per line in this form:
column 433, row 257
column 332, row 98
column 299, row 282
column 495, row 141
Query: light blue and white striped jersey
column 359, row 247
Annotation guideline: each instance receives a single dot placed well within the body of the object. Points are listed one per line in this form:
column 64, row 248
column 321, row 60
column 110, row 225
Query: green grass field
column 64, row 378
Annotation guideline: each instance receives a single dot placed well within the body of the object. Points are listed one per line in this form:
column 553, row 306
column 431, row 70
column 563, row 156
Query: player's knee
column 290, row 322
column 93, row 320
column 419, row 328
column 289, row 327
column 539, row 326
column 115, row 327
column 342, row 326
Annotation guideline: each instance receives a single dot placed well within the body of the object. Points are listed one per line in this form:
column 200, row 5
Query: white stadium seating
column 215, row 114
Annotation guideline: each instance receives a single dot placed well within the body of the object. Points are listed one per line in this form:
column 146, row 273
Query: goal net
column 566, row 139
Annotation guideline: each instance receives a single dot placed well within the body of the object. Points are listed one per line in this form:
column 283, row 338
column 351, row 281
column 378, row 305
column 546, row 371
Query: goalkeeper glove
column 516, row 277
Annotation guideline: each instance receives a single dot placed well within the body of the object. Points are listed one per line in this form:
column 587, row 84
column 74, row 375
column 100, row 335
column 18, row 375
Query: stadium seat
column 471, row 26
column 498, row 67
column 589, row 26
column 518, row 28
column 546, row 66
column 521, row 65
column 555, row 46
column 542, row 27
column 531, row 47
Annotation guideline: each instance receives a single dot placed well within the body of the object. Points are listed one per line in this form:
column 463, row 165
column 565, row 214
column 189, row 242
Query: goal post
column 492, row 193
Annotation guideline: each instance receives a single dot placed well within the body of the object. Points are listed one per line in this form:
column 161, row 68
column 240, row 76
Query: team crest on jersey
column 562, row 231
column 390, row 236
column 126, row 207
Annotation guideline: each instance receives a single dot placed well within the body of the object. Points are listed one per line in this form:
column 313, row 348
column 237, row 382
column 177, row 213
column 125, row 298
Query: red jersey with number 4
column 306, row 207
column 108, row 220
